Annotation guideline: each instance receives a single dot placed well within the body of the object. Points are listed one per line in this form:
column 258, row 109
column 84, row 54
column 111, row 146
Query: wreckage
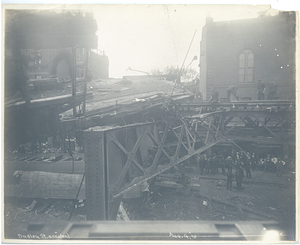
column 126, row 139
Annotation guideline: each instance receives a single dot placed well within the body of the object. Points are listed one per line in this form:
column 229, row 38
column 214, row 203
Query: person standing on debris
column 223, row 164
column 274, row 162
column 253, row 161
column 229, row 162
column 233, row 155
column 214, row 164
column 208, row 165
column 204, row 160
column 200, row 163
column 237, row 156
column 232, row 90
column 248, row 165
column 279, row 167
column 239, row 175
column 229, row 178
column 242, row 155
column 267, row 163
column 242, row 158
column 261, row 88
column 214, row 99
column 285, row 163
column 145, row 191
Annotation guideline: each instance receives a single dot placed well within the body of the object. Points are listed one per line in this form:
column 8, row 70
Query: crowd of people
column 239, row 161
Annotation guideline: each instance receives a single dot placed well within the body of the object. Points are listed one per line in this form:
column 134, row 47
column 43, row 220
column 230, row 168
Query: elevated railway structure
column 115, row 156
column 118, row 158
column 126, row 145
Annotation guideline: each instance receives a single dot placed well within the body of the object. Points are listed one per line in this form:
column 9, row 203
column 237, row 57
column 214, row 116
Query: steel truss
column 115, row 156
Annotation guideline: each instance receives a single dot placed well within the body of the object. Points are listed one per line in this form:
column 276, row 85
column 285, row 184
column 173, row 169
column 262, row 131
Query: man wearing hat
column 261, row 90
column 239, row 175
column 229, row 179
column 248, row 165
column 229, row 162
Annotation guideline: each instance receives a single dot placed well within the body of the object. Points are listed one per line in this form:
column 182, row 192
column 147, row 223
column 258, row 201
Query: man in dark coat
column 201, row 163
column 229, row 162
column 214, row 164
column 208, row 165
column 248, row 165
column 279, row 167
column 229, row 178
column 239, row 175
column 267, row 163
column 254, row 161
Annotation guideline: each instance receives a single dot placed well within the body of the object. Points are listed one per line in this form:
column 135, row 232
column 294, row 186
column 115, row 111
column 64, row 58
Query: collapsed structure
column 128, row 138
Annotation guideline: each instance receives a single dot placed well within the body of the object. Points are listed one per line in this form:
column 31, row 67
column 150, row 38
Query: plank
column 37, row 184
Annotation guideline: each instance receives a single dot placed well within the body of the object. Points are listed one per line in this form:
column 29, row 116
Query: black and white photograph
column 149, row 123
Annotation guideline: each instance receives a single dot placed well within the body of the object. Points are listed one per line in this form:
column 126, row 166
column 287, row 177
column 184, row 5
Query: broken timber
column 37, row 184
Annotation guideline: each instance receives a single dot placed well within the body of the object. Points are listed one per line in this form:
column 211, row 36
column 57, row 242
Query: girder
column 113, row 169
column 172, row 141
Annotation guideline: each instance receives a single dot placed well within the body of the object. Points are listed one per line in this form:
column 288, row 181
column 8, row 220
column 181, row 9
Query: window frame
column 246, row 66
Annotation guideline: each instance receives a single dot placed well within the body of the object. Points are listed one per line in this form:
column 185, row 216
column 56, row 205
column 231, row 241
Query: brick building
column 241, row 52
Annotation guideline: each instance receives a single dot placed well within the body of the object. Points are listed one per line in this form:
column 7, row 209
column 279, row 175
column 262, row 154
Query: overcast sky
column 146, row 37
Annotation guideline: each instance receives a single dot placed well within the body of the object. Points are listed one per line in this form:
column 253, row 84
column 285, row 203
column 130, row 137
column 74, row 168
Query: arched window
column 246, row 66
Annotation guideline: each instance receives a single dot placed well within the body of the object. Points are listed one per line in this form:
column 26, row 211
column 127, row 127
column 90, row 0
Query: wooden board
column 37, row 184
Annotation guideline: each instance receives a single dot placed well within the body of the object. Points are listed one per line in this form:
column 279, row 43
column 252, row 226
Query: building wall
column 99, row 65
column 271, row 39
column 55, row 62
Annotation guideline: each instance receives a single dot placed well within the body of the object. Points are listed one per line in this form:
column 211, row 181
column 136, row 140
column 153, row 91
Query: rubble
column 32, row 205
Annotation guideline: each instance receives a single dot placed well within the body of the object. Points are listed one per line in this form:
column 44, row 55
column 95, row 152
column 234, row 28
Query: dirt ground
column 263, row 197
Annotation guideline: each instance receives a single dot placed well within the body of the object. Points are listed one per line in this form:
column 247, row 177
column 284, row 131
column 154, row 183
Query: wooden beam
column 51, row 185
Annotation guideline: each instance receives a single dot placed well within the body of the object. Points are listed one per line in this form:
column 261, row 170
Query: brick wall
column 272, row 41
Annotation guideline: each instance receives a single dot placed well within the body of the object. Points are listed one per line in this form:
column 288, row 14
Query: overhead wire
column 179, row 74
